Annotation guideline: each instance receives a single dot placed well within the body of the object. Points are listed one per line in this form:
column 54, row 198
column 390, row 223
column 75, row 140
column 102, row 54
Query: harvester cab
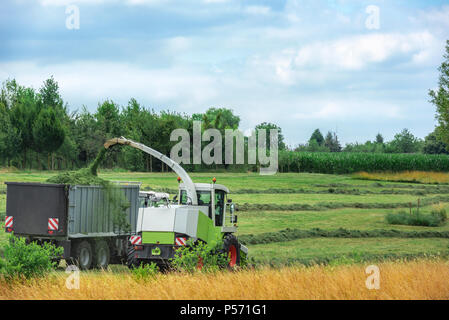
column 215, row 197
column 202, row 212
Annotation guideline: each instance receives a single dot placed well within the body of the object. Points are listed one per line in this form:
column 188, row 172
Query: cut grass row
column 354, row 249
column 320, row 206
column 294, row 234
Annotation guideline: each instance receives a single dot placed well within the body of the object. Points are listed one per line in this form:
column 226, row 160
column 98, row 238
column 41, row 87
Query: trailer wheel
column 232, row 248
column 131, row 260
column 102, row 254
column 83, row 255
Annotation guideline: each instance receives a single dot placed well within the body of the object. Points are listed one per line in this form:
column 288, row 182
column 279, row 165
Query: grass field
column 291, row 189
column 301, row 188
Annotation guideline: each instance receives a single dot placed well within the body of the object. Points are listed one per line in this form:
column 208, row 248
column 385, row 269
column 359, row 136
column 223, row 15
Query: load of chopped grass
column 118, row 203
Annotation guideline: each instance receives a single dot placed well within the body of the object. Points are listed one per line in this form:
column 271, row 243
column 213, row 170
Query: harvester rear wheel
column 231, row 247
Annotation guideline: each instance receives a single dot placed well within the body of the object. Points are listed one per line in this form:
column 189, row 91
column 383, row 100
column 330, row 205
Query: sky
column 354, row 67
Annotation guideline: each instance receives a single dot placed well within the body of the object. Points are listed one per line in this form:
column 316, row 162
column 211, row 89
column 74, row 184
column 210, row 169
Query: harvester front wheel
column 232, row 248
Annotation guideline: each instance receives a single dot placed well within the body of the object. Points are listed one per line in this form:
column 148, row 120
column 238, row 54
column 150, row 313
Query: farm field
column 425, row 279
column 341, row 224
column 331, row 202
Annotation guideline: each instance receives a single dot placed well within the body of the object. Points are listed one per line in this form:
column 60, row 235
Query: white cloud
column 360, row 51
column 87, row 81
column 177, row 44
column 215, row 1
column 350, row 54
column 344, row 110
column 258, row 10
column 438, row 17
column 73, row 2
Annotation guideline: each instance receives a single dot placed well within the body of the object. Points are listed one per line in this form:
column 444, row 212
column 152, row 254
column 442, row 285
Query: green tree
column 331, row 142
column 404, row 142
column 318, row 137
column 48, row 132
column 433, row 144
column 9, row 136
column 440, row 98
column 87, row 136
column 269, row 126
column 23, row 114
column 379, row 139
column 108, row 122
column 50, row 98
column 218, row 118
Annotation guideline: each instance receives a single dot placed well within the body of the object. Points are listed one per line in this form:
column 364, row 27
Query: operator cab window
column 219, row 207
column 204, row 199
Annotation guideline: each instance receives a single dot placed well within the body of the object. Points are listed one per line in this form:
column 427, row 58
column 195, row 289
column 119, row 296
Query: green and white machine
column 199, row 212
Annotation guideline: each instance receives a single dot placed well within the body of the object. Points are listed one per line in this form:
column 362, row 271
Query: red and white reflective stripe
column 135, row 239
column 181, row 241
column 53, row 224
column 9, row 222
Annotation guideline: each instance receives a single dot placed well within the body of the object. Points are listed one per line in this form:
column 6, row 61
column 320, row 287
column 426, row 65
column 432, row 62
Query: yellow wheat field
column 406, row 176
column 398, row 280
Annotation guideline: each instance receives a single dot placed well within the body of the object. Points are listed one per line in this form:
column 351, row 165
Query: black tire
column 101, row 254
column 131, row 260
column 231, row 247
column 83, row 255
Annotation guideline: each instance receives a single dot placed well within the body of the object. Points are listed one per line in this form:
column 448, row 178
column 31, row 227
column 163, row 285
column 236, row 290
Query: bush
column 439, row 214
column 145, row 271
column 435, row 219
column 22, row 260
column 200, row 257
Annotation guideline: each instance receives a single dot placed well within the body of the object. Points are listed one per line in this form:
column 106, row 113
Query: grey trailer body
column 90, row 215
column 77, row 218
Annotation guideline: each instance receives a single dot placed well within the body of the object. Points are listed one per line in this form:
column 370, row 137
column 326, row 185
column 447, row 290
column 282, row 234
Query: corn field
column 348, row 162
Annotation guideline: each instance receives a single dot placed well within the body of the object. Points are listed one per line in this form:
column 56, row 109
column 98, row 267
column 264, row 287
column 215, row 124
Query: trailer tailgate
column 37, row 209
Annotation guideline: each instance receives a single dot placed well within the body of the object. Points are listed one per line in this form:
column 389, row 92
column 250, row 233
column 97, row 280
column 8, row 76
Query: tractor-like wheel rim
column 232, row 256
column 84, row 257
column 200, row 264
column 102, row 257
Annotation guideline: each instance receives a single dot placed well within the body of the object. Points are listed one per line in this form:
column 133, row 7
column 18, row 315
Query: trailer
column 76, row 218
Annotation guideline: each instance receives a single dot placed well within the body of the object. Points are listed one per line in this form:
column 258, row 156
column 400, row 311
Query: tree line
column 37, row 130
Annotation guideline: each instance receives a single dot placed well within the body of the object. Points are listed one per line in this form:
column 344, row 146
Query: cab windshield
column 204, row 198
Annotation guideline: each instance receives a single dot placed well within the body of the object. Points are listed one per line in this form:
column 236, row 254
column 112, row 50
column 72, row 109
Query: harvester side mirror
column 232, row 208
column 234, row 219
